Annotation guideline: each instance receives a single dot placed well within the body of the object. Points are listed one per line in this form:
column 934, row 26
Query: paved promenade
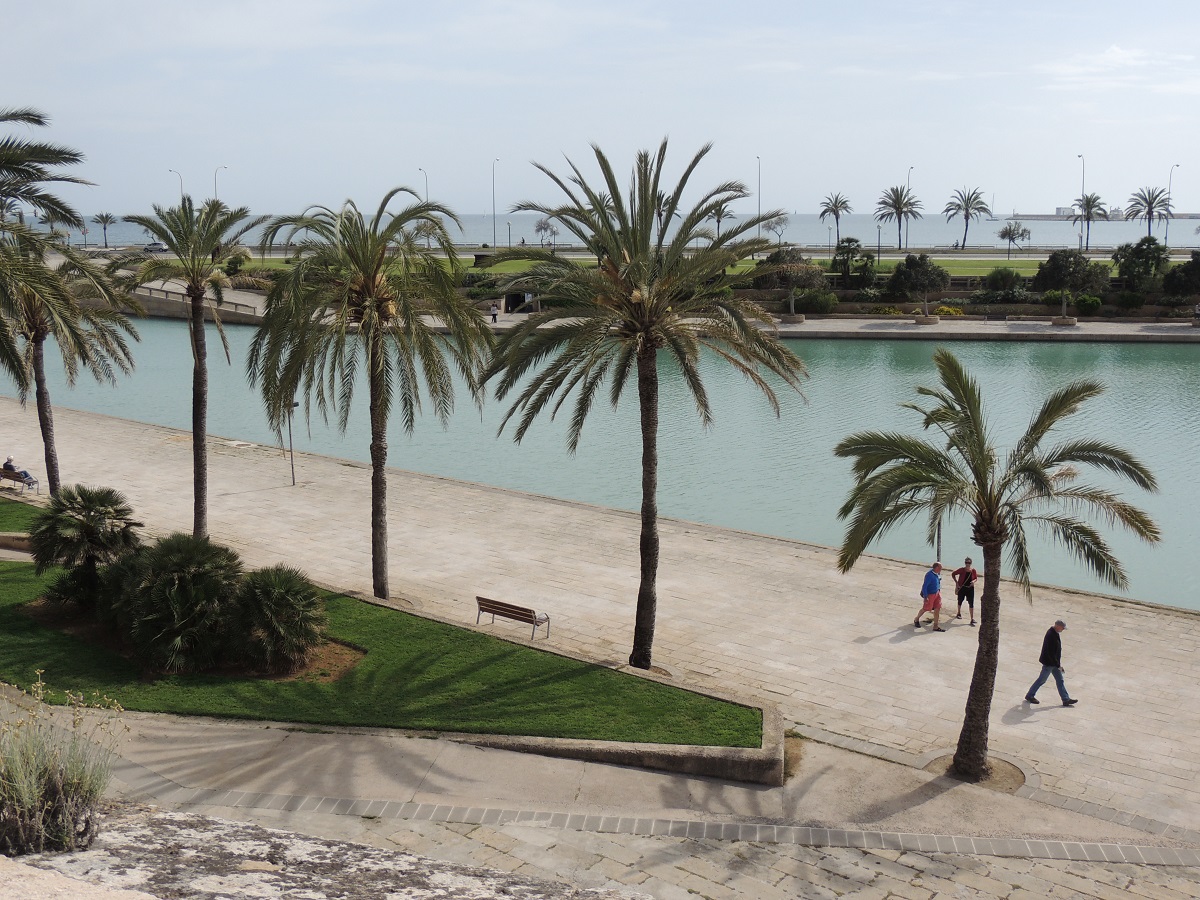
column 854, row 672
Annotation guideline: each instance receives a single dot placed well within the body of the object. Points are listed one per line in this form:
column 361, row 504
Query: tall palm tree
column 722, row 213
column 837, row 206
column 104, row 220
column 968, row 203
column 196, row 239
column 897, row 203
column 1149, row 203
column 368, row 293
column 899, row 477
column 1089, row 208
column 75, row 303
column 651, row 300
column 27, row 166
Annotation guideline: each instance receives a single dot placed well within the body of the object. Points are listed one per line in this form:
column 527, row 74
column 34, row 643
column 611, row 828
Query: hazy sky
column 309, row 102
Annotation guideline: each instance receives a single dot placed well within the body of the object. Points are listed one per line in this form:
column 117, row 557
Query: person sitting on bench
column 10, row 466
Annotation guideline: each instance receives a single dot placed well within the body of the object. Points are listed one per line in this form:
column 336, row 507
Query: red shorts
column 932, row 602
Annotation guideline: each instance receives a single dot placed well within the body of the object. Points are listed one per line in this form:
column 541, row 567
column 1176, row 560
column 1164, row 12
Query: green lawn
column 416, row 674
column 16, row 516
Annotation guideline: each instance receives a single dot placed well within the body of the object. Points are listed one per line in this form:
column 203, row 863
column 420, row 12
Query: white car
column 155, row 247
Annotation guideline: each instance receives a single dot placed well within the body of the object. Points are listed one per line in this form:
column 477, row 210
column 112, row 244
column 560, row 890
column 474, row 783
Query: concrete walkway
column 859, row 675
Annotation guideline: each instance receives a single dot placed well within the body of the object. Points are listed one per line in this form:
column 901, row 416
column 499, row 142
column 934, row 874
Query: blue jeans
column 1047, row 671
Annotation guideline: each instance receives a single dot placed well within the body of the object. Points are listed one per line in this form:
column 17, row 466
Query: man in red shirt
column 964, row 585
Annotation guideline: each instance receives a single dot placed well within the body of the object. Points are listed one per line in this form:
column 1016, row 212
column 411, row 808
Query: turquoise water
column 749, row 470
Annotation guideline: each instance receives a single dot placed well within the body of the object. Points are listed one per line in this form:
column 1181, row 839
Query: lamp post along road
column 758, row 159
column 426, row 174
column 1167, row 226
column 291, row 448
column 217, row 196
column 878, row 245
column 180, row 177
column 494, row 161
column 509, row 224
column 907, row 188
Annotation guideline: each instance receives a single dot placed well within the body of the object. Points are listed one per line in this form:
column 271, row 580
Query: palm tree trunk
column 899, row 233
column 966, row 225
column 971, row 757
column 837, row 227
column 1087, row 242
column 45, row 411
column 379, row 449
column 199, row 413
column 647, row 601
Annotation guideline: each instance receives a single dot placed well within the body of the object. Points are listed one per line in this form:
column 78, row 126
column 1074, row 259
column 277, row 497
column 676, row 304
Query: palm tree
column 968, row 203
column 368, row 293
column 1090, row 208
column 104, row 220
column 75, row 303
column 1014, row 232
column 897, row 203
column 837, row 206
column 26, row 166
column 898, row 477
column 82, row 529
column 651, row 292
column 1148, row 203
column 197, row 239
column 722, row 213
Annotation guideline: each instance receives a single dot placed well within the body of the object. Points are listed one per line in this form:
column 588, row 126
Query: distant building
column 1064, row 210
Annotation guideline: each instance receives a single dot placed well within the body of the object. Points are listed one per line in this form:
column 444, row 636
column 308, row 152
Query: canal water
column 750, row 470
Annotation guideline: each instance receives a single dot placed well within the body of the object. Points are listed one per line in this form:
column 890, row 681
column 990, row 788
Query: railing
column 222, row 305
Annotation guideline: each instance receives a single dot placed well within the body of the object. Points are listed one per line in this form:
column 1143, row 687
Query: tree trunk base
column 926, row 320
column 797, row 319
column 1064, row 320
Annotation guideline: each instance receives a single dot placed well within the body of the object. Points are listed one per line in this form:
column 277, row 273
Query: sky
column 299, row 102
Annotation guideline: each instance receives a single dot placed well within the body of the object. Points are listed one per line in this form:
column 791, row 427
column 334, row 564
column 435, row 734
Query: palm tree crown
column 899, row 478
column 26, row 166
column 897, row 203
column 968, row 203
column 373, row 293
column 835, row 205
column 1149, row 203
column 660, row 286
column 1089, row 208
column 196, row 239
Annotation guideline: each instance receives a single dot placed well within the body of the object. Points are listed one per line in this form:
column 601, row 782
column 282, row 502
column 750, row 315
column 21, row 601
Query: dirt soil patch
column 1005, row 777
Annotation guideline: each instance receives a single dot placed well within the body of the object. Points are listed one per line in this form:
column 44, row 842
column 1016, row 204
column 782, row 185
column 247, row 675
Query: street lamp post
column 494, row 161
column 1167, row 227
column 291, row 448
column 878, row 244
column 215, row 171
column 426, row 174
column 180, row 184
column 829, row 240
column 907, row 188
column 509, row 224
column 758, row 159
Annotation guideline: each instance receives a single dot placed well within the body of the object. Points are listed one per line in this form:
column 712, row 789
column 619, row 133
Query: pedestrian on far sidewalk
column 965, row 577
column 1051, row 660
column 931, row 597
column 495, row 310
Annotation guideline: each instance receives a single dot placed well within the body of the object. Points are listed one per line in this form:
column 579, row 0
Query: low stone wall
column 15, row 540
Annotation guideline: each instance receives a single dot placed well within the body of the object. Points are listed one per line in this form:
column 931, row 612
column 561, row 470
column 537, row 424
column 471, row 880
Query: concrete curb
column 15, row 540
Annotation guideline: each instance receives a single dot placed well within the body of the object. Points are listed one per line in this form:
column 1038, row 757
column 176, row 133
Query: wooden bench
column 26, row 483
column 509, row 611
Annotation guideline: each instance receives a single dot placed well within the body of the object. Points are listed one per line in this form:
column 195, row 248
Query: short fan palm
column 658, row 297
column 372, row 294
column 899, row 478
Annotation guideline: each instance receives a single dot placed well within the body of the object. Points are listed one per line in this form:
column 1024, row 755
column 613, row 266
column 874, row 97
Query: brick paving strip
column 145, row 784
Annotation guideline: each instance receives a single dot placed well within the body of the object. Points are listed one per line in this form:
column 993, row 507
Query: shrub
column 1010, row 295
column 886, row 311
column 948, row 311
column 814, row 301
column 284, row 617
column 184, row 614
column 82, row 529
column 868, row 295
column 1055, row 297
column 1183, row 280
column 1002, row 278
column 1130, row 300
column 52, row 779
column 787, row 268
column 487, row 291
column 1087, row 304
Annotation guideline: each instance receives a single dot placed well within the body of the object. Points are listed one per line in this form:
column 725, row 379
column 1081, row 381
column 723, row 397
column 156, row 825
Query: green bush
column 1087, row 304
column 815, row 301
column 868, row 295
column 1055, row 297
column 886, row 311
column 52, row 778
column 283, row 616
column 1008, row 296
column 487, row 291
column 185, row 614
column 1002, row 278
column 948, row 311
column 1130, row 300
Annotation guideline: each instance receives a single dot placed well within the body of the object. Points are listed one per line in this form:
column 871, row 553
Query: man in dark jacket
column 1051, row 660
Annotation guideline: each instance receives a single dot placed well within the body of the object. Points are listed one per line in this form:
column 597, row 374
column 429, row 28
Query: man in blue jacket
column 931, row 597
column 1051, row 660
